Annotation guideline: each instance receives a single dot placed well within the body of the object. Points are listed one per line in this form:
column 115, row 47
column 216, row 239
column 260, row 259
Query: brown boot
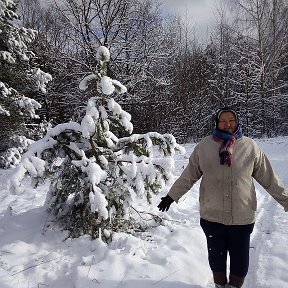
column 220, row 278
column 235, row 281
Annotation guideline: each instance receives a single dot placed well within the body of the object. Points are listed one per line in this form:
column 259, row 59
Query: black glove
column 165, row 203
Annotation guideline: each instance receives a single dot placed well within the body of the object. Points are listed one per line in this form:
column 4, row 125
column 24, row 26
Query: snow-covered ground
column 167, row 256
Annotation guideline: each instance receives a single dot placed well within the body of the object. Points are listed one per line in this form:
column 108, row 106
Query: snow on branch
column 29, row 105
column 95, row 175
column 4, row 91
column 84, row 83
column 31, row 162
column 40, row 79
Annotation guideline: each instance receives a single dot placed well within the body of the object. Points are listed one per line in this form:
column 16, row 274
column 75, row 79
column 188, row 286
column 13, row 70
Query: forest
column 174, row 83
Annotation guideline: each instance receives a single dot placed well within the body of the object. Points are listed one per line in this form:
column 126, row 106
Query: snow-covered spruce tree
column 94, row 174
column 20, row 80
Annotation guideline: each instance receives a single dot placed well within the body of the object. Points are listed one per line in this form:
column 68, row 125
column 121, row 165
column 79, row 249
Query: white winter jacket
column 227, row 194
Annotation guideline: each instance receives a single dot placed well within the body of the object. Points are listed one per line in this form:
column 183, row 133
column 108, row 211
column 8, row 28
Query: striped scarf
column 228, row 140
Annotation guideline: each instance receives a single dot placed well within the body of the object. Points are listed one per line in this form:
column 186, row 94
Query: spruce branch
column 156, row 218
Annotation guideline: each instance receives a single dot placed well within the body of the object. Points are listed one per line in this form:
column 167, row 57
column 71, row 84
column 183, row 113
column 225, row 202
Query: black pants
column 232, row 239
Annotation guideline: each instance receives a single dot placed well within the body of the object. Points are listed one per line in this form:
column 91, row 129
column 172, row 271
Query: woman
column 227, row 161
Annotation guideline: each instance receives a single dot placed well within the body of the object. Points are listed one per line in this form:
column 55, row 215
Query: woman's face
column 227, row 122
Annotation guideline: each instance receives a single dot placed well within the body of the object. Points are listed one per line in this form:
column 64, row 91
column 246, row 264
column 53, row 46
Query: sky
column 199, row 15
column 34, row 255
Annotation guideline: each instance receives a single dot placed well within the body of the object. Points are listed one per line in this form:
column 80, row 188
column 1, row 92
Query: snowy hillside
column 168, row 256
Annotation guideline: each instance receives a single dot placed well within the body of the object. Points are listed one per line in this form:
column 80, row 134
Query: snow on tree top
column 103, row 54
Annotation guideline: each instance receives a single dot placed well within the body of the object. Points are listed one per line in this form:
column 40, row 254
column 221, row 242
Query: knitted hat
column 225, row 109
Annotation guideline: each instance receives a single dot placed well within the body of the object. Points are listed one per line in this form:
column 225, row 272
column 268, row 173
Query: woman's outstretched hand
column 165, row 203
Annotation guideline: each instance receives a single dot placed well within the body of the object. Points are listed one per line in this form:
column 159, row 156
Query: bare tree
column 266, row 24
